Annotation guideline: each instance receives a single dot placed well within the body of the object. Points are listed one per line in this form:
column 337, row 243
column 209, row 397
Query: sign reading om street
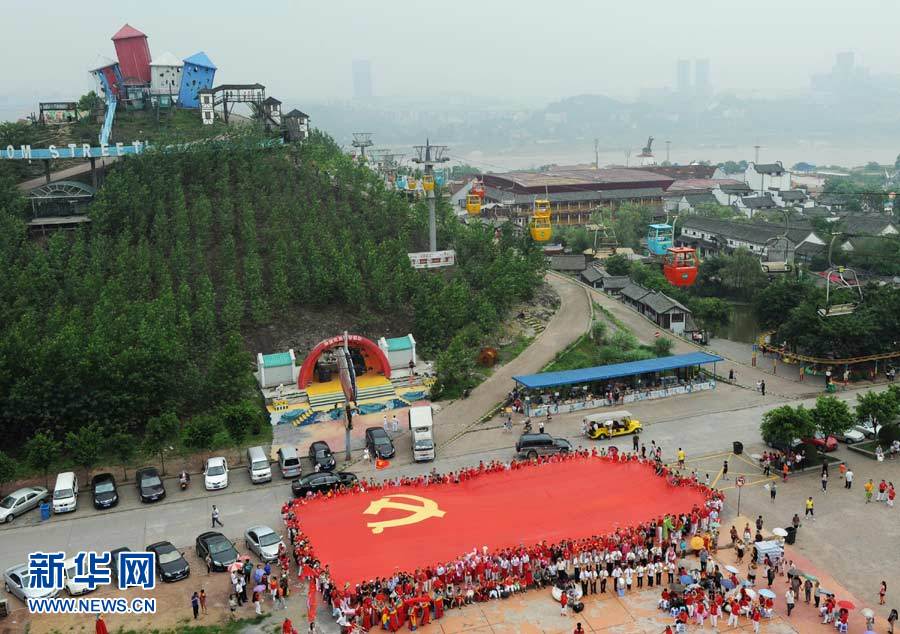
column 71, row 151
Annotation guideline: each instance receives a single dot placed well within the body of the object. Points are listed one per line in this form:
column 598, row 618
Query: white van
column 73, row 587
column 65, row 493
column 289, row 462
column 421, row 426
column 258, row 465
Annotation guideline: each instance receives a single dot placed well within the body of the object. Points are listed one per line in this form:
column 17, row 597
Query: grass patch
column 603, row 348
column 513, row 349
column 229, row 627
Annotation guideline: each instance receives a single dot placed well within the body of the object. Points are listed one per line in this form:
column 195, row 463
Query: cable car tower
column 362, row 140
column 428, row 155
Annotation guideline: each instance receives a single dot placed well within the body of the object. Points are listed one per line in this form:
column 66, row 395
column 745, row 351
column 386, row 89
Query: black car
column 170, row 564
column 379, row 443
column 315, row 482
column 321, row 457
column 150, row 485
column 114, row 561
column 534, row 445
column 103, row 489
column 216, row 550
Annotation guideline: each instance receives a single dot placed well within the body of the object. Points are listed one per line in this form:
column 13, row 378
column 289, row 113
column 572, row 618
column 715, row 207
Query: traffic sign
column 740, row 481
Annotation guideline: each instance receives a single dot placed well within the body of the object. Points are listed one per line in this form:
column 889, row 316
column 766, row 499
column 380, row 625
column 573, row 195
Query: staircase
column 106, row 130
column 535, row 324
column 379, row 391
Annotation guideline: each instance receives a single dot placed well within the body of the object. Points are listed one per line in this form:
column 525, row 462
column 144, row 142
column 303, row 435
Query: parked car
column 114, row 561
column 65, row 492
column 216, row 550
column 534, row 445
column 16, row 583
column 215, row 473
column 821, row 442
column 170, row 563
column 150, row 486
column 104, row 491
column 316, row 482
column 258, row 465
column 792, row 447
column 74, row 588
column 379, row 443
column 263, row 541
column 868, row 428
column 21, row 500
column 289, row 462
column 852, row 435
column 321, row 457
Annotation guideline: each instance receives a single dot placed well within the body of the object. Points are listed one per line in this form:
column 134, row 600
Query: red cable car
column 680, row 265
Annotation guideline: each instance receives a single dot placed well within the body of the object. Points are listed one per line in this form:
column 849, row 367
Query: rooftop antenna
column 427, row 155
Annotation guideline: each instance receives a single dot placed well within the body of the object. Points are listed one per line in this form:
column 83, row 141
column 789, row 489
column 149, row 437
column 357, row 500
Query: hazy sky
column 302, row 50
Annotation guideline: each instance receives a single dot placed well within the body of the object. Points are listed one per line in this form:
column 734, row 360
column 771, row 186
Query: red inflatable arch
column 376, row 360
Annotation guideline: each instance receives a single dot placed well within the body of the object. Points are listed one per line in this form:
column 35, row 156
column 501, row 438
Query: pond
column 743, row 326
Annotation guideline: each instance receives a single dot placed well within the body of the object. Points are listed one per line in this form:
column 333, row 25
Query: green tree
column 241, row 420
column 7, row 469
column 832, row 416
column 742, row 274
column 785, row 424
column 617, row 264
column 879, row 407
column 199, row 432
column 161, row 431
column 41, row 452
column 772, row 303
column 85, row 447
column 662, row 346
column 121, row 446
column 89, row 101
column 711, row 313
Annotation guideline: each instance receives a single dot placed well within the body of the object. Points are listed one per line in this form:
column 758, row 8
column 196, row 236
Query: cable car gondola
column 428, row 182
column 473, row 204
column 778, row 256
column 540, row 226
column 659, row 238
column 680, row 266
column 839, row 277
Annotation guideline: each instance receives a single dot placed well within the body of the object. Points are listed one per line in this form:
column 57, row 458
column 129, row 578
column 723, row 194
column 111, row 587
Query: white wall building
column 165, row 75
column 764, row 177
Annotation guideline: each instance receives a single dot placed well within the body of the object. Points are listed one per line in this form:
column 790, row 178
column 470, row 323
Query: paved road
column 64, row 174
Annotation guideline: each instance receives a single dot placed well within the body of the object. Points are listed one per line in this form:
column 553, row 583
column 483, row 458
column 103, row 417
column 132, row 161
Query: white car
column 851, row 436
column 263, row 541
column 867, row 427
column 73, row 587
column 16, row 583
column 20, row 501
column 215, row 474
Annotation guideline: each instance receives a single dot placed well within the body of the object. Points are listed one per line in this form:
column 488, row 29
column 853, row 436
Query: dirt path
column 570, row 322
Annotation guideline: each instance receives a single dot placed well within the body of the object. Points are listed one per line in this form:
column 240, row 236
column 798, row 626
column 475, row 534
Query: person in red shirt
column 578, row 629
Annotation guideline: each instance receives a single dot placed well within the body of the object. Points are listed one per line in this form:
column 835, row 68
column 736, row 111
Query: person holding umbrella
column 100, row 625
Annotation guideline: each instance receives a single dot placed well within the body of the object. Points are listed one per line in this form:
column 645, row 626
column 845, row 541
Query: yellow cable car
column 428, row 182
column 473, row 204
column 411, row 184
column 541, row 228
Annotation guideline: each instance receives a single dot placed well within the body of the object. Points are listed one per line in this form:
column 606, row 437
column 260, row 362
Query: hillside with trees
column 139, row 316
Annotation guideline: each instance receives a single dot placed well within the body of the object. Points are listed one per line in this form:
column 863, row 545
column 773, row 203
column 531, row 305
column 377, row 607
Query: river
column 743, row 326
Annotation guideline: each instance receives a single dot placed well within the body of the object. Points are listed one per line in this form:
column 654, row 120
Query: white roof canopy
column 166, row 59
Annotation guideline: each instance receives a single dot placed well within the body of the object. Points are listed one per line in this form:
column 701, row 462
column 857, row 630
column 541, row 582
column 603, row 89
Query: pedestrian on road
column 395, row 424
column 759, row 523
column 366, row 457
column 810, row 510
column 869, row 487
column 784, row 471
column 215, row 517
column 759, row 386
column 795, row 521
column 881, row 592
column 731, row 375
column 256, row 602
column 773, row 491
column 725, row 469
column 892, row 618
column 541, row 427
column 195, row 604
column 384, row 423
column 789, row 599
column 824, row 482
column 807, row 590
column 203, row 601
column 563, row 602
column 848, row 479
column 635, row 442
column 762, row 389
column 681, row 456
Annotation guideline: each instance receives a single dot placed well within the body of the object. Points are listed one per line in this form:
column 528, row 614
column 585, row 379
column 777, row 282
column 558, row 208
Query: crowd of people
column 621, row 561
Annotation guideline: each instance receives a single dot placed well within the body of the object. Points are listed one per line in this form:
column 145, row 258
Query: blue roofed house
column 197, row 74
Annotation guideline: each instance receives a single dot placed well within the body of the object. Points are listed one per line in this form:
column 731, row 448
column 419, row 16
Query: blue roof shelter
column 599, row 373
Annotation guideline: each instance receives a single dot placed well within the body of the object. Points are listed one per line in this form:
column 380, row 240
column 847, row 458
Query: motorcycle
column 527, row 428
column 184, row 479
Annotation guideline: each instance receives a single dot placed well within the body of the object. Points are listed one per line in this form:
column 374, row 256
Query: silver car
column 263, row 541
column 20, row 501
column 15, row 581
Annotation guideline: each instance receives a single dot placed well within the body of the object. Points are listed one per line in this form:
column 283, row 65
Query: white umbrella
column 750, row 593
column 867, row 612
column 732, row 569
column 780, row 532
column 765, row 592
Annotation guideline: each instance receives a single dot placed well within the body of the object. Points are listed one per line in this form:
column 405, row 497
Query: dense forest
column 139, row 316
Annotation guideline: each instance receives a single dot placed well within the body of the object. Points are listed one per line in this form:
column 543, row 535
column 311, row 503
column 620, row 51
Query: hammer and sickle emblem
column 418, row 512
